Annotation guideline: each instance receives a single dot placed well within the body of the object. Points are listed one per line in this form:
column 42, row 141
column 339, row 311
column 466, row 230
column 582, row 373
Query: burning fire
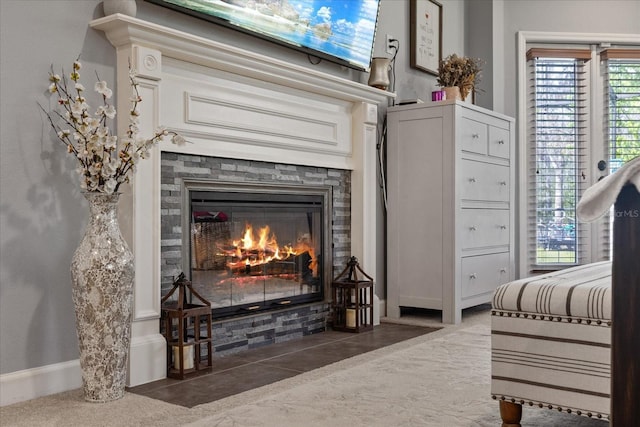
column 250, row 250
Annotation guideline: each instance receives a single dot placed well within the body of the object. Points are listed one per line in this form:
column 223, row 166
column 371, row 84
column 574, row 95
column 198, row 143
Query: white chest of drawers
column 450, row 214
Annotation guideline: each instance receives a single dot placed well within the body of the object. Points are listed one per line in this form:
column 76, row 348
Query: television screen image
column 341, row 31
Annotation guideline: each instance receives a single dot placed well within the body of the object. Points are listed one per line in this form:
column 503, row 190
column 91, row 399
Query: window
column 622, row 89
column 582, row 121
column 558, row 141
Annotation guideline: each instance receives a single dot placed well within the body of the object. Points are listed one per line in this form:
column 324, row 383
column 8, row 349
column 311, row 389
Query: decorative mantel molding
column 123, row 31
column 229, row 102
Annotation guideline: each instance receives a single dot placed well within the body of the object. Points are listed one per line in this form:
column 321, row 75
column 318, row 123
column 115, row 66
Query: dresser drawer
column 484, row 228
column 484, row 181
column 483, row 273
column 473, row 136
column 499, row 142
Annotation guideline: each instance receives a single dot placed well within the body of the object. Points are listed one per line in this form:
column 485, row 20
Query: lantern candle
column 187, row 356
column 351, row 318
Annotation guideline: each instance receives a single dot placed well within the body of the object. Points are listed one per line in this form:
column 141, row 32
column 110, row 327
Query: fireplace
column 256, row 247
column 234, row 104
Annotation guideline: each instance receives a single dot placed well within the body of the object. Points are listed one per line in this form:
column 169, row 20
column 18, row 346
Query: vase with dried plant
column 460, row 72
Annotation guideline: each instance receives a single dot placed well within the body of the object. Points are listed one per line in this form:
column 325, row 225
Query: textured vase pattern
column 102, row 271
column 453, row 92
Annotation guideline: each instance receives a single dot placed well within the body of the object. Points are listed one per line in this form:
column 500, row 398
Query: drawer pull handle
column 503, row 182
column 472, row 276
column 501, row 141
column 475, row 136
column 503, row 270
column 472, row 179
column 472, row 228
column 503, row 227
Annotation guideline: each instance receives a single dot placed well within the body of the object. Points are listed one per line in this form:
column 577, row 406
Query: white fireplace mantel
column 232, row 103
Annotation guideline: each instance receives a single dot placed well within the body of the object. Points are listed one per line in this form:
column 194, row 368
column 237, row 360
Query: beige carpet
column 439, row 379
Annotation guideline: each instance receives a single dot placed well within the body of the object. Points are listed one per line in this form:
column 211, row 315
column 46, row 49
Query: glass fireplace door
column 251, row 252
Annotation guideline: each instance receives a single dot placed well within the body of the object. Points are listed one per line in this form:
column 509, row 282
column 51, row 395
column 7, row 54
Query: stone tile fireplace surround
column 233, row 104
column 240, row 333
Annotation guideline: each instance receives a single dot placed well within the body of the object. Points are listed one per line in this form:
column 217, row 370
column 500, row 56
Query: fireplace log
column 296, row 264
column 232, row 251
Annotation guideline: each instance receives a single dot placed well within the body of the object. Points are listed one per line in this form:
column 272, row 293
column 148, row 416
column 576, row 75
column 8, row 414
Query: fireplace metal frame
column 324, row 191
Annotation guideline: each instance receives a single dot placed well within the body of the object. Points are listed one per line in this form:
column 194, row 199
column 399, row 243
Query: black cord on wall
column 382, row 138
column 395, row 45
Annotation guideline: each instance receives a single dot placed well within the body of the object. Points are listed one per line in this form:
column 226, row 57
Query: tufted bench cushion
column 551, row 340
column 579, row 292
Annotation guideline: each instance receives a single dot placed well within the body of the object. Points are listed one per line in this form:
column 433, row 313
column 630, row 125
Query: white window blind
column 558, row 107
column 622, row 113
column 620, row 69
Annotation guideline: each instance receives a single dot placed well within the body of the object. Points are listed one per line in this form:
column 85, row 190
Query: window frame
column 525, row 39
column 542, row 139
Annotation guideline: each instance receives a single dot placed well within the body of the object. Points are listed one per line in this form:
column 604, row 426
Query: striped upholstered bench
column 551, row 342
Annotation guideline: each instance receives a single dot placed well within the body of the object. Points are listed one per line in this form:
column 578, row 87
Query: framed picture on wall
column 426, row 35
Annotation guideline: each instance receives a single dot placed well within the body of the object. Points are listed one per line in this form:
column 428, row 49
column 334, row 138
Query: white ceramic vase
column 453, row 92
column 126, row 7
column 102, row 270
column 379, row 74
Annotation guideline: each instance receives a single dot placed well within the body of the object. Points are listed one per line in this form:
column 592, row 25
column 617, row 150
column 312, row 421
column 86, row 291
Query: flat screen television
column 340, row 31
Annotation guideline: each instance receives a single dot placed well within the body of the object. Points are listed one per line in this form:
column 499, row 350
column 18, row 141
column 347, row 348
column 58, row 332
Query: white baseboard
column 382, row 305
column 147, row 359
column 37, row 382
column 376, row 310
column 147, row 363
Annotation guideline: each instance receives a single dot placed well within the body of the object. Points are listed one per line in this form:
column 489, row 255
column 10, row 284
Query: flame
column 250, row 250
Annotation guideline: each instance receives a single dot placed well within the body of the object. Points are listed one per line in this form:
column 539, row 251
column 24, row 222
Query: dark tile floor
column 255, row 368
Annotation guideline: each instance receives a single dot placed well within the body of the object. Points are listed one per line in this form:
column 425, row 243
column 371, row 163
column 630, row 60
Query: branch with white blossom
column 102, row 166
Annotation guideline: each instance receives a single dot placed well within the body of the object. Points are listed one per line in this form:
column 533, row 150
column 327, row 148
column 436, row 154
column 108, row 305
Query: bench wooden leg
column 511, row 414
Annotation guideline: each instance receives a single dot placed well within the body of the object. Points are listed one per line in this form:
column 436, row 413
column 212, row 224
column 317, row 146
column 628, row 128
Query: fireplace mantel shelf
column 123, row 30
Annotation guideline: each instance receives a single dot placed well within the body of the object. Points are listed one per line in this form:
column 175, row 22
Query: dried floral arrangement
column 461, row 71
column 105, row 160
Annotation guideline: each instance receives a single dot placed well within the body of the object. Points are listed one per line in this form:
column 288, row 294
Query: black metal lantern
column 188, row 349
column 352, row 299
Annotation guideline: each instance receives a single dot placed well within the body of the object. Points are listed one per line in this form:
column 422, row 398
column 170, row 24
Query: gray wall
column 42, row 213
column 394, row 20
column 481, row 45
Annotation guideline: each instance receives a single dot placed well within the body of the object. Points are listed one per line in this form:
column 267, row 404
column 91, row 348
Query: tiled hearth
column 256, row 368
